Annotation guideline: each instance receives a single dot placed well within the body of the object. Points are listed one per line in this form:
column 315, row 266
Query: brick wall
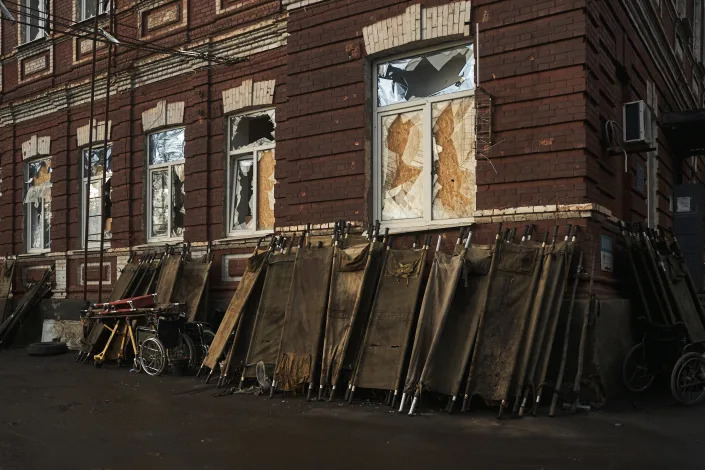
column 550, row 67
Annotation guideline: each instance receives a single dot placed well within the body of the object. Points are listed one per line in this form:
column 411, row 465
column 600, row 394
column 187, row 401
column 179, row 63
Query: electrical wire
column 152, row 47
column 115, row 16
column 129, row 42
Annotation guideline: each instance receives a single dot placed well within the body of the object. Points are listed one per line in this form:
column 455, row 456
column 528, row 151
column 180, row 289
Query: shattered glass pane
column 46, row 213
column 37, row 198
column 178, row 194
column 89, row 11
column 402, row 164
column 265, row 189
column 99, row 198
column 160, row 203
column 432, row 74
column 252, row 130
column 35, row 226
column 34, row 20
column 167, row 146
column 453, row 129
column 242, row 200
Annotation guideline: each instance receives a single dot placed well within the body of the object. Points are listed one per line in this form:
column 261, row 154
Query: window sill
column 91, row 250
column 243, row 235
column 86, row 21
column 163, row 241
column 33, row 43
column 31, row 254
column 423, row 226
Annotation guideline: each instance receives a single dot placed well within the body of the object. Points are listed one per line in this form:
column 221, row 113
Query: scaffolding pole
column 87, row 196
column 103, row 218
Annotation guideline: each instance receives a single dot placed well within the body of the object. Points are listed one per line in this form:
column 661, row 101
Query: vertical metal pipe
column 87, row 196
column 105, row 151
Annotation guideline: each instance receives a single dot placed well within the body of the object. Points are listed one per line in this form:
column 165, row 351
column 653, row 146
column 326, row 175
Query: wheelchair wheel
column 636, row 374
column 207, row 337
column 688, row 379
column 152, row 356
column 185, row 349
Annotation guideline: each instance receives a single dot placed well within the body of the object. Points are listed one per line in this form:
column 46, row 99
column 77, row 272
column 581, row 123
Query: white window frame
column 424, row 104
column 243, row 154
column 30, row 15
column 27, row 213
column 84, row 188
column 152, row 169
column 81, row 15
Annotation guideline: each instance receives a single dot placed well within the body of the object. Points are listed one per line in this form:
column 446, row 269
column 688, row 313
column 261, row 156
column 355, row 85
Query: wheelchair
column 171, row 342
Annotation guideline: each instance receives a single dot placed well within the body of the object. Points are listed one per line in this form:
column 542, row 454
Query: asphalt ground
column 57, row 414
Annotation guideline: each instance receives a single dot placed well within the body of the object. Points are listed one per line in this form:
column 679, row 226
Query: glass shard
column 99, row 197
column 178, row 194
column 37, row 198
column 160, row 203
column 242, row 203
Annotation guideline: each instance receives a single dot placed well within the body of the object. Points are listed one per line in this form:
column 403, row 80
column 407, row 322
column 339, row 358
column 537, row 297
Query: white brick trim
column 224, row 275
column 60, row 267
column 36, row 146
column 248, row 94
column 417, row 24
column 99, row 133
column 162, row 115
column 107, row 280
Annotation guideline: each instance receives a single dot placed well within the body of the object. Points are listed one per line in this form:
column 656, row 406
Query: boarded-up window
column 251, row 172
column 453, row 158
column 402, row 163
column 425, row 137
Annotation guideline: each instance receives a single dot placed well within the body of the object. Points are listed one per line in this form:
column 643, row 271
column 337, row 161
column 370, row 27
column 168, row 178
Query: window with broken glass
column 35, row 20
column 85, row 9
column 37, row 203
column 165, row 181
column 251, row 181
column 424, row 137
column 99, row 196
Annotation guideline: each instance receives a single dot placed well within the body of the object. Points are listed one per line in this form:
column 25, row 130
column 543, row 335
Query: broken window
column 85, row 9
column 37, row 202
column 425, row 137
column 166, row 190
column 251, row 172
column 433, row 74
column 35, row 20
column 99, row 196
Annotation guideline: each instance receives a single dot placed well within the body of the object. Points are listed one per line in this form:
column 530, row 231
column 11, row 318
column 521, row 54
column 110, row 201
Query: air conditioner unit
column 637, row 126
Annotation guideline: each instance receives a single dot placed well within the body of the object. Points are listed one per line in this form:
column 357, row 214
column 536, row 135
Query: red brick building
column 343, row 109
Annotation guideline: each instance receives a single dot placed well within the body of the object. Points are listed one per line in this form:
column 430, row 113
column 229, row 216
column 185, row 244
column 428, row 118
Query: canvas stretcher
column 383, row 355
column 513, row 279
column 256, row 265
column 355, row 271
column 269, row 320
column 302, row 332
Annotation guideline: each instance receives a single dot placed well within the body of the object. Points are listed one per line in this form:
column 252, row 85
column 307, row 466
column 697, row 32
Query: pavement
column 57, row 414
